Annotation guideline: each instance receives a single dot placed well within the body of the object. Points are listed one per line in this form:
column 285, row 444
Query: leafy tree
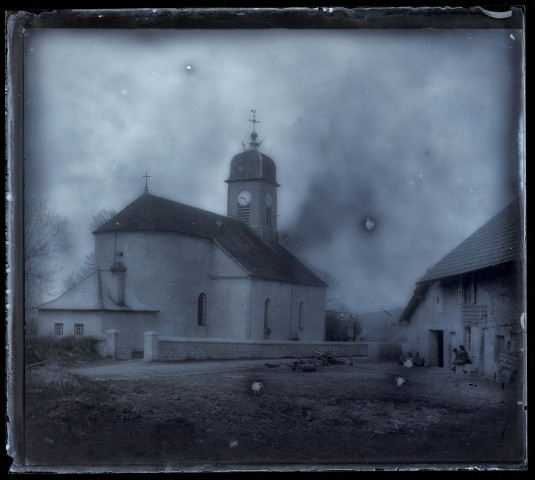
column 89, row 265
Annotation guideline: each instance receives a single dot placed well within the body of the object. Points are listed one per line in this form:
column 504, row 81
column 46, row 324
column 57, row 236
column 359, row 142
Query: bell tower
column 252, row 189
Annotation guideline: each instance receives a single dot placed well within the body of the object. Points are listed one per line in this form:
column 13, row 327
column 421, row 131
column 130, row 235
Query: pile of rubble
column 317, row 359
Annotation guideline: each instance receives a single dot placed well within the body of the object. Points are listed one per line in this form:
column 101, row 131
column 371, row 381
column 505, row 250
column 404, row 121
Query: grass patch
column 56, row 379
column 61, row 350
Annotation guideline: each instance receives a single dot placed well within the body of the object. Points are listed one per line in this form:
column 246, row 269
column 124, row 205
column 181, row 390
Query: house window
column 468, row 339
column 267, row 327
column 439, row 299
column 301, row 320
column 268, row 216
column 202, row 310
column 471, row 291
column 474, row 316
column 244, row 212
column 467, row 291
column 78, row 328
column 58, row 329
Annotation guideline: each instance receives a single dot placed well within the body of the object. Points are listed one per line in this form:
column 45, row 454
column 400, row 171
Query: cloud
column 415, row 129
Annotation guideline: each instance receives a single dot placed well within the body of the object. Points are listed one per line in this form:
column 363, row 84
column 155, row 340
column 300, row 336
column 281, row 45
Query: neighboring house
column 473, row 297
column 383, row 327
column 186, row 272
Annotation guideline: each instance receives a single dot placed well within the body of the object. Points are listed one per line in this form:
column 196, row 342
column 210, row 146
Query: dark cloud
column 415, row 129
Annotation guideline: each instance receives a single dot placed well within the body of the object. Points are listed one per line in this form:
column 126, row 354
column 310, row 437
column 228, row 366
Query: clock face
column 244, row 197
column 269, row 200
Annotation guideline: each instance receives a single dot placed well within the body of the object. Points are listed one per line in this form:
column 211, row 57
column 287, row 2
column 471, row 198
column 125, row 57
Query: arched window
column 202, row 310
column 301, row 318
column 267, row 328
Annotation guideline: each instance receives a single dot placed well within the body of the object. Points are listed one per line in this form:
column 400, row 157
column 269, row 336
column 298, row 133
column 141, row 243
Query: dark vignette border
column 16, row 23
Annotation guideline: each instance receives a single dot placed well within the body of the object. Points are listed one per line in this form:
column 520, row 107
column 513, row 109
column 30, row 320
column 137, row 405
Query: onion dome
column 252, row 164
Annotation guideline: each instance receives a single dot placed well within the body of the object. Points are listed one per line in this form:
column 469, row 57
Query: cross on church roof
column 253, row 143
column 254, row 120
column 146, row 177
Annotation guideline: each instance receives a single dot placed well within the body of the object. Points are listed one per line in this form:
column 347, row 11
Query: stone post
column 150, row 350
column 111, row 340
column 374, row 351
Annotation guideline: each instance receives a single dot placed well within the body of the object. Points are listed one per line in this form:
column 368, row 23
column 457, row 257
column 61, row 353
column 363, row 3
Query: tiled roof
column 498, row 241
column 149, row 213
column 94, row 293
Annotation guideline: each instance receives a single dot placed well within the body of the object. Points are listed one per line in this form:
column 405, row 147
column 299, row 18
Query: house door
column 499, row 347
column 481, row 352
column 451, row 345
column 436, row 348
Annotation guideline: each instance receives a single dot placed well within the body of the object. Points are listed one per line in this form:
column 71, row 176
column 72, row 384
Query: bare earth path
column 206, row 415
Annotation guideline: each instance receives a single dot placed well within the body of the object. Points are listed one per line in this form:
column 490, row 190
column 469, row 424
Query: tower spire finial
column 254, row 120
column 253, row 143
column 146, row 177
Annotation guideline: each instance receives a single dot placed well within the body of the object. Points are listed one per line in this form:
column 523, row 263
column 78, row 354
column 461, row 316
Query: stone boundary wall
column 186, row 348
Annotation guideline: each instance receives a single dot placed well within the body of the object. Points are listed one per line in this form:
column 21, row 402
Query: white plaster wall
column 46, row 319
column 130, row 326
column 313, row 299
column 228, row 310
column 497, row 290
column 165, row 270
column 283, row 310
column 428, row 316
column 169, row 271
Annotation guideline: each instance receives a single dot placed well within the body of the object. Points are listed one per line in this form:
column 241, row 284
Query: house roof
column 498, row 241
column 94, row 293
column 150, row 213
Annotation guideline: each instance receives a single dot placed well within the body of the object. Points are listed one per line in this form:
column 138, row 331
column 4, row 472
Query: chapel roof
column 271, row 261
column 94, row 294
column 498, row 241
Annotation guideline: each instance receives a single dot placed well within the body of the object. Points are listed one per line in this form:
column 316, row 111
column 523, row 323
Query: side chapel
column 186, row 272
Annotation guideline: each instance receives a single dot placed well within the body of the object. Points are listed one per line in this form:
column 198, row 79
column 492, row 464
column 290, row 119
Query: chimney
column 118, row 272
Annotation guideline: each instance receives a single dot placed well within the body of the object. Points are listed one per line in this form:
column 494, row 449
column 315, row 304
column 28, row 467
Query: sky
column 414, row 133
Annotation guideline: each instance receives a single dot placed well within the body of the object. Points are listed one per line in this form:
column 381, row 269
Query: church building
column 185, row 272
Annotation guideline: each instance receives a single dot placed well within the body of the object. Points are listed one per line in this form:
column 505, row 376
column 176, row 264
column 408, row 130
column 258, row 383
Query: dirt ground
column 212, row 415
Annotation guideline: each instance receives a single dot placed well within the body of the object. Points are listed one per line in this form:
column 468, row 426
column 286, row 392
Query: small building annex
column 186, row 272
column 472, row 297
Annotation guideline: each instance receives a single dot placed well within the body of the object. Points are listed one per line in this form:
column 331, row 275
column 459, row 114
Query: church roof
column 94, row 293
column 252, row 164
column 150, row 213
column 498, row 241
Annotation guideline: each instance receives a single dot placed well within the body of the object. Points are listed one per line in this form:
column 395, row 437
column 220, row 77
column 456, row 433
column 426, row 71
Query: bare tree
column 46, row 237
column 89, row 266
column 101, row 217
